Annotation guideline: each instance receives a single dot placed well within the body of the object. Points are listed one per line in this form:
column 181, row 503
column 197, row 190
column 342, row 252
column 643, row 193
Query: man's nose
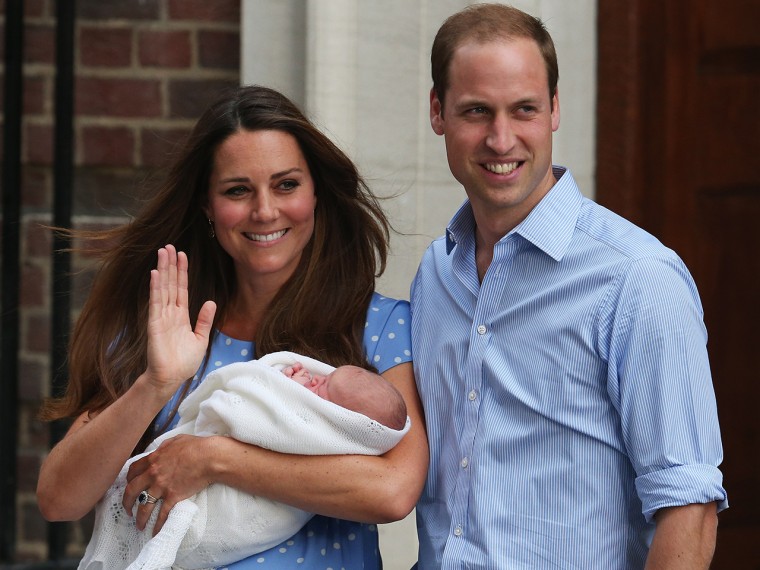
column 501, row 136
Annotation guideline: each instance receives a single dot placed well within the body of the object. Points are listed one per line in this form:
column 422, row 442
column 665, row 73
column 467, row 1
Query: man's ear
column 436, row 113
column 555, row 110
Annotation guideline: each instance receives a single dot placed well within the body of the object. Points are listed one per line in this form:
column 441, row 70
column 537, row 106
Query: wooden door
column 679, row 154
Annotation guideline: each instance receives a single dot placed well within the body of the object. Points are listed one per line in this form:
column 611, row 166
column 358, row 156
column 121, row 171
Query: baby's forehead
column 349, row 377
column 347, row 372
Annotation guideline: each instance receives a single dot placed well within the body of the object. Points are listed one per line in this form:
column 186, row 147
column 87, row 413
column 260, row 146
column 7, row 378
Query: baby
column 354, row 412
column 356, row 389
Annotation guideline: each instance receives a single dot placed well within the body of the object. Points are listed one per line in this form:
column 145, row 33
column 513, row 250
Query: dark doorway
column 678, row 143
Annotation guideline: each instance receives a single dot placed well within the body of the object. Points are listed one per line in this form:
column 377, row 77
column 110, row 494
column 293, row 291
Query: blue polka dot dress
column 325, row 543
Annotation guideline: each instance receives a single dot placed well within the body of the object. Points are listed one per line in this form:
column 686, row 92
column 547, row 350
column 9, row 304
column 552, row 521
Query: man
column 559, row 349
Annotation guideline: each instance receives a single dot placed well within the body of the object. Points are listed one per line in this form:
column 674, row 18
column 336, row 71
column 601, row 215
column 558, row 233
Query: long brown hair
column 319, row 312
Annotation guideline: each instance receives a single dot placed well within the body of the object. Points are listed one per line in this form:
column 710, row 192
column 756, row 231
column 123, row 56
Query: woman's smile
column 265, row 238
column 261, row 201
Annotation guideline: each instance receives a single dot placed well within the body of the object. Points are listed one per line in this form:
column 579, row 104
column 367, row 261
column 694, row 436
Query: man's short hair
column 483, row 23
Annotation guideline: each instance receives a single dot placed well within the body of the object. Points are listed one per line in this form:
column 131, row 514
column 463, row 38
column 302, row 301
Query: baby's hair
column 388, row 408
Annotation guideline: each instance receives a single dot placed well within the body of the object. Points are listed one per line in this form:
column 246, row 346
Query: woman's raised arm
column 81, row 468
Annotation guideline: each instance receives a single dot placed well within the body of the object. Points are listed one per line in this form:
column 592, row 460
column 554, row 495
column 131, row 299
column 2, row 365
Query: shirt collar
column 461, row 227
column 549, row 226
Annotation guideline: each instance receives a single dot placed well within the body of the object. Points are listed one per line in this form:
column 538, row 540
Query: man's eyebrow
column 533, row 101
column 466, row 103
column 477, row 102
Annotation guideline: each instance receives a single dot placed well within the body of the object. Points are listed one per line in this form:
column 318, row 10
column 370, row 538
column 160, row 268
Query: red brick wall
column 144, row 70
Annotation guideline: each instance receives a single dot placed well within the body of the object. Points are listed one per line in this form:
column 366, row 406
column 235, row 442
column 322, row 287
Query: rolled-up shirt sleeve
column 659, row 379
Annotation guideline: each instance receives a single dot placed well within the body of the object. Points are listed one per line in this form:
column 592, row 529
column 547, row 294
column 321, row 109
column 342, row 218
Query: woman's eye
column 289, row 184
column 236, row 191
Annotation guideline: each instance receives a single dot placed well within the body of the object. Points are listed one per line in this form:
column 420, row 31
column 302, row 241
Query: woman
column 284, row 239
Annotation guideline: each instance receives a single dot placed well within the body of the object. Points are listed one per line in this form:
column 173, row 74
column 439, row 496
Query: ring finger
column 147, row 501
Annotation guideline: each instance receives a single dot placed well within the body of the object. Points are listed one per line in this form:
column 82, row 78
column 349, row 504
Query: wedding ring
column 145, row 498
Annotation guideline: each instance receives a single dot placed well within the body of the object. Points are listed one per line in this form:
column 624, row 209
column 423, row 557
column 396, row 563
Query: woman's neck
column 246, row 311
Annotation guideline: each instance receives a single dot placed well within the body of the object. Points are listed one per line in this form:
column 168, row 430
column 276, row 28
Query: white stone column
column 331, row 68
column 273, row 45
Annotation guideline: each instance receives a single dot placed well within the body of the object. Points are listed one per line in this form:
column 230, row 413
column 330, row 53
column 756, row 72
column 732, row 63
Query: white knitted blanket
column 255, row 403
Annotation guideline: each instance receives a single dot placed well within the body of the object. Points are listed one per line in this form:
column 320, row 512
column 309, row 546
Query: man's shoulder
column 610, row 230
column 435, row 263
column 438, row 247
column 437, row 257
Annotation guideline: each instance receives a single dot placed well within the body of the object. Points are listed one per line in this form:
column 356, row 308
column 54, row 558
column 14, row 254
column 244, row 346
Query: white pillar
column 331, row 70
column 273, row 46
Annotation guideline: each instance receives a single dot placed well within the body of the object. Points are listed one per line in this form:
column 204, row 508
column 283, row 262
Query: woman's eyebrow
column 272, row 177
column 285, row 172
column 234, row 179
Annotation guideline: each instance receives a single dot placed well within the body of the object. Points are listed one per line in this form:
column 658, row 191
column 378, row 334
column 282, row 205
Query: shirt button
column 464, row 463
column 472, row 395
column 458, row 531
column 481, row 329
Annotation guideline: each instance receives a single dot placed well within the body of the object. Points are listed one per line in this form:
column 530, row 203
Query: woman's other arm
column 357, row 487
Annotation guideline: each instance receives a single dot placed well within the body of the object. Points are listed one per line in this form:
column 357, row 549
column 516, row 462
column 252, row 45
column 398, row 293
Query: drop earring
column 211, row 232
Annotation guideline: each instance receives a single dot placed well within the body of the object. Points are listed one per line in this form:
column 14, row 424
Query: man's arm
column 684, row 537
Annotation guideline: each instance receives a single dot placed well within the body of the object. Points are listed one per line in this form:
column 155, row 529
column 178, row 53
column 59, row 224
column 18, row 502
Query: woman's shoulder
column 387, row 335
column 382, row 306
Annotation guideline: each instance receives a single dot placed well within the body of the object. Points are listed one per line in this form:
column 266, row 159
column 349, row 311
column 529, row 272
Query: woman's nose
column 264, row 208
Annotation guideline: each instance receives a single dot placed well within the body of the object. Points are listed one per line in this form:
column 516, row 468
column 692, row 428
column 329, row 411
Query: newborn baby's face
column 321, row 385
column 337, row 386
column 314, row 382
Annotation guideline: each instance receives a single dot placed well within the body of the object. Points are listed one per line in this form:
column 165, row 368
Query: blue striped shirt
column 568, row 396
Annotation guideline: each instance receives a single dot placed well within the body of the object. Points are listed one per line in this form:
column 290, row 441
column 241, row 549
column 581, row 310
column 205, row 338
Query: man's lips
column 501, row 167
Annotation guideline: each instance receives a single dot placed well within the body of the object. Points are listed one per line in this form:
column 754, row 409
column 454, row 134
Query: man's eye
column 478, row 111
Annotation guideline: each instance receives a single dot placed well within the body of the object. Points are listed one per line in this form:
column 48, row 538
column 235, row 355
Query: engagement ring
column 145, row 498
